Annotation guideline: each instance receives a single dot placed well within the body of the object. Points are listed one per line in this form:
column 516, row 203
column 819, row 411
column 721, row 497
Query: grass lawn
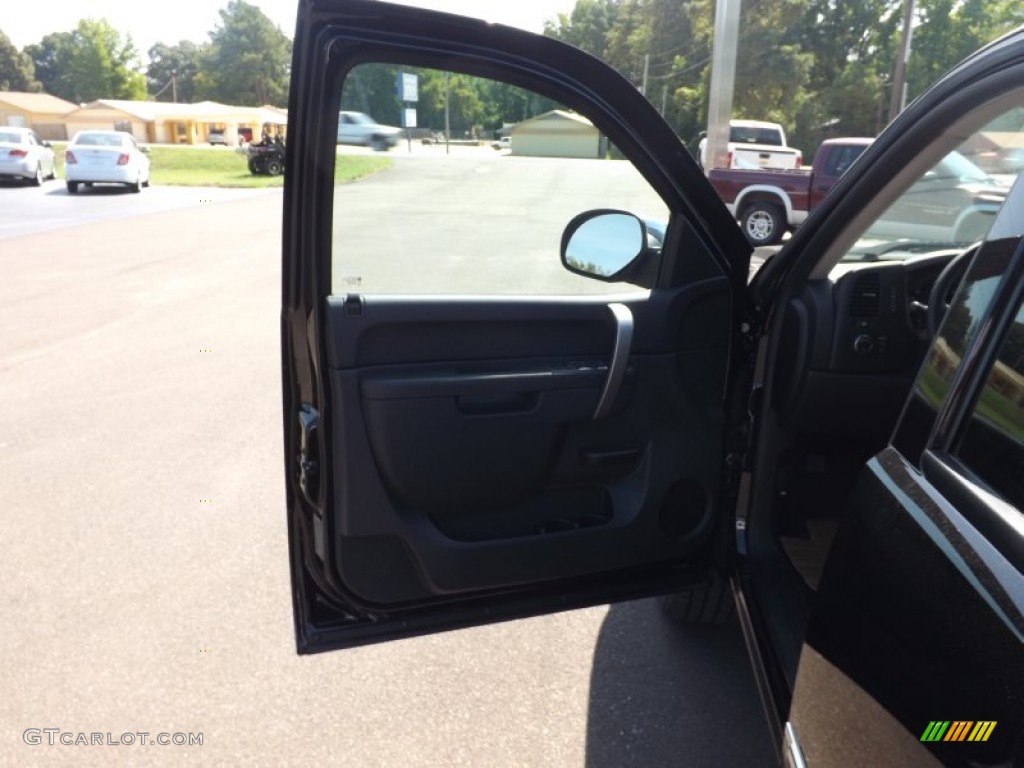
column 202, row 167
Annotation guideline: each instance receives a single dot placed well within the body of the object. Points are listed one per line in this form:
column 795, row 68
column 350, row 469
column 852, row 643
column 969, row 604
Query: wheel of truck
column 275, row 167
column 709, row 603
column 763, row 223
column 255, row 167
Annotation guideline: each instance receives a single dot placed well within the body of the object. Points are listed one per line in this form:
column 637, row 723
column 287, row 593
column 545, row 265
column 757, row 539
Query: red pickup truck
column 769, row 202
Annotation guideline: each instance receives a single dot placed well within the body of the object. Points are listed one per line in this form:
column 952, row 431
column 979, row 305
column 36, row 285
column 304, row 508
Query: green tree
column 586, row 26
column 628, row 39
column 476, row 106
column 172, row 71
column 372, row 89
column 819, row 67
column 950, row 30
column 852, row 48
column 17, row 73
column 51, row 58
column 90, row 62
column 249, row 59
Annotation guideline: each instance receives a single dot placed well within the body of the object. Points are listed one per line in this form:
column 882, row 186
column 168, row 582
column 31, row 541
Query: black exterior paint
column 905, row 612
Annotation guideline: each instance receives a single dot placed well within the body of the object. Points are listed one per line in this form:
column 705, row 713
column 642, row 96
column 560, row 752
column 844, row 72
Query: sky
column 149, row 22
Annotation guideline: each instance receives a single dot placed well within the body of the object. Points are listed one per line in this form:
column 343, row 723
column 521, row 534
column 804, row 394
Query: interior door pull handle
column 620, row 358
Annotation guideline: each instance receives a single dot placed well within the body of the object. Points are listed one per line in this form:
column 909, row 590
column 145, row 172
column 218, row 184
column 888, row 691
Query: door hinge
column 309, row 453
column 309, row 472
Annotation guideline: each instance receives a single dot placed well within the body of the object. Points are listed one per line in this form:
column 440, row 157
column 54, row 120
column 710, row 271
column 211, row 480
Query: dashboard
column 852, row 344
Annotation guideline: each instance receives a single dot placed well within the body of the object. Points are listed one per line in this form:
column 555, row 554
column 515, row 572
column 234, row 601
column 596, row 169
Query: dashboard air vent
column 867, row 292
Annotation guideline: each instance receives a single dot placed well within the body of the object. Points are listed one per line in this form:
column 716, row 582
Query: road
column 24, row 210
column 144, row 582
column 479, row 221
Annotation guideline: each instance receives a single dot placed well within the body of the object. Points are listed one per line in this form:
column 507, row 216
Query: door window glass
column 842, row 158
column 969, row 307
column 443, row 206
column 992, row 444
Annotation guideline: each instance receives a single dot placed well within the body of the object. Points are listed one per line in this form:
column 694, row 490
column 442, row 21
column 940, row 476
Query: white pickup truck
column 756, row 144
column 361, row 129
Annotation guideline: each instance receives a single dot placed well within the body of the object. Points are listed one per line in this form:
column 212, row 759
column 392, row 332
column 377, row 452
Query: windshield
column 952, row 205
column 956, row 166
column 99, row 139
column 749, row 135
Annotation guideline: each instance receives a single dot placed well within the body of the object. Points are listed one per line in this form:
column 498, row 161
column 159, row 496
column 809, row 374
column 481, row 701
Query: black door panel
column 456, row 459
column 390, row 330
column 488, row 469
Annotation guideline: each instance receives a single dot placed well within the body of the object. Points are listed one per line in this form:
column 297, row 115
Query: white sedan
column 24, row 156
column 105, row 157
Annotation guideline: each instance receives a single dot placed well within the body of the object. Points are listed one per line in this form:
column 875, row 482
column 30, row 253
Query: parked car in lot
column 105, row 157
column 505, row 142
column 834, row 447
column 217, row 137
column 954, row 202
column 24, row 156
column 755, row 144
column 359, row 128
column 770, row 202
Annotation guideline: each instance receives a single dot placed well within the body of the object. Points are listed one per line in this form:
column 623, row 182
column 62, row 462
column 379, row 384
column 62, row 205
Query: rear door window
column 992, row 444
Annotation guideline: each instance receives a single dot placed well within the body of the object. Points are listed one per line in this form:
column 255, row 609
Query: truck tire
column 763, row 222
column 710, row 603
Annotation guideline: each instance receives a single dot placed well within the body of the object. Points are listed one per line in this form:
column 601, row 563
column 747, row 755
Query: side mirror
column 47, row 144
column 144, row 150
column 603, row 244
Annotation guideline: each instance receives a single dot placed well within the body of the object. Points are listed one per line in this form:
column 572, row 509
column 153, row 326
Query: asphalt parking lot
column 477, row 221
column 25, row 210
column 144, row 580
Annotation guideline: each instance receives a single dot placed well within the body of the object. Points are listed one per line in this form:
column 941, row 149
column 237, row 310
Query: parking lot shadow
column 98, row 189
column 662, row 694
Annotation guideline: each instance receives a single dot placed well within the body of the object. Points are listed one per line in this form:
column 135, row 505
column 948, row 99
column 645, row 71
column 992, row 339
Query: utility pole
column 447, row 114
column 174, row 87
column 647, row 69
column 723, row 81
column 898, row 99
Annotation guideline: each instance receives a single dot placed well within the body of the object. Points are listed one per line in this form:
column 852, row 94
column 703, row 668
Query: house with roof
column 41, row 112
column 557, row 133
column 161, row 122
